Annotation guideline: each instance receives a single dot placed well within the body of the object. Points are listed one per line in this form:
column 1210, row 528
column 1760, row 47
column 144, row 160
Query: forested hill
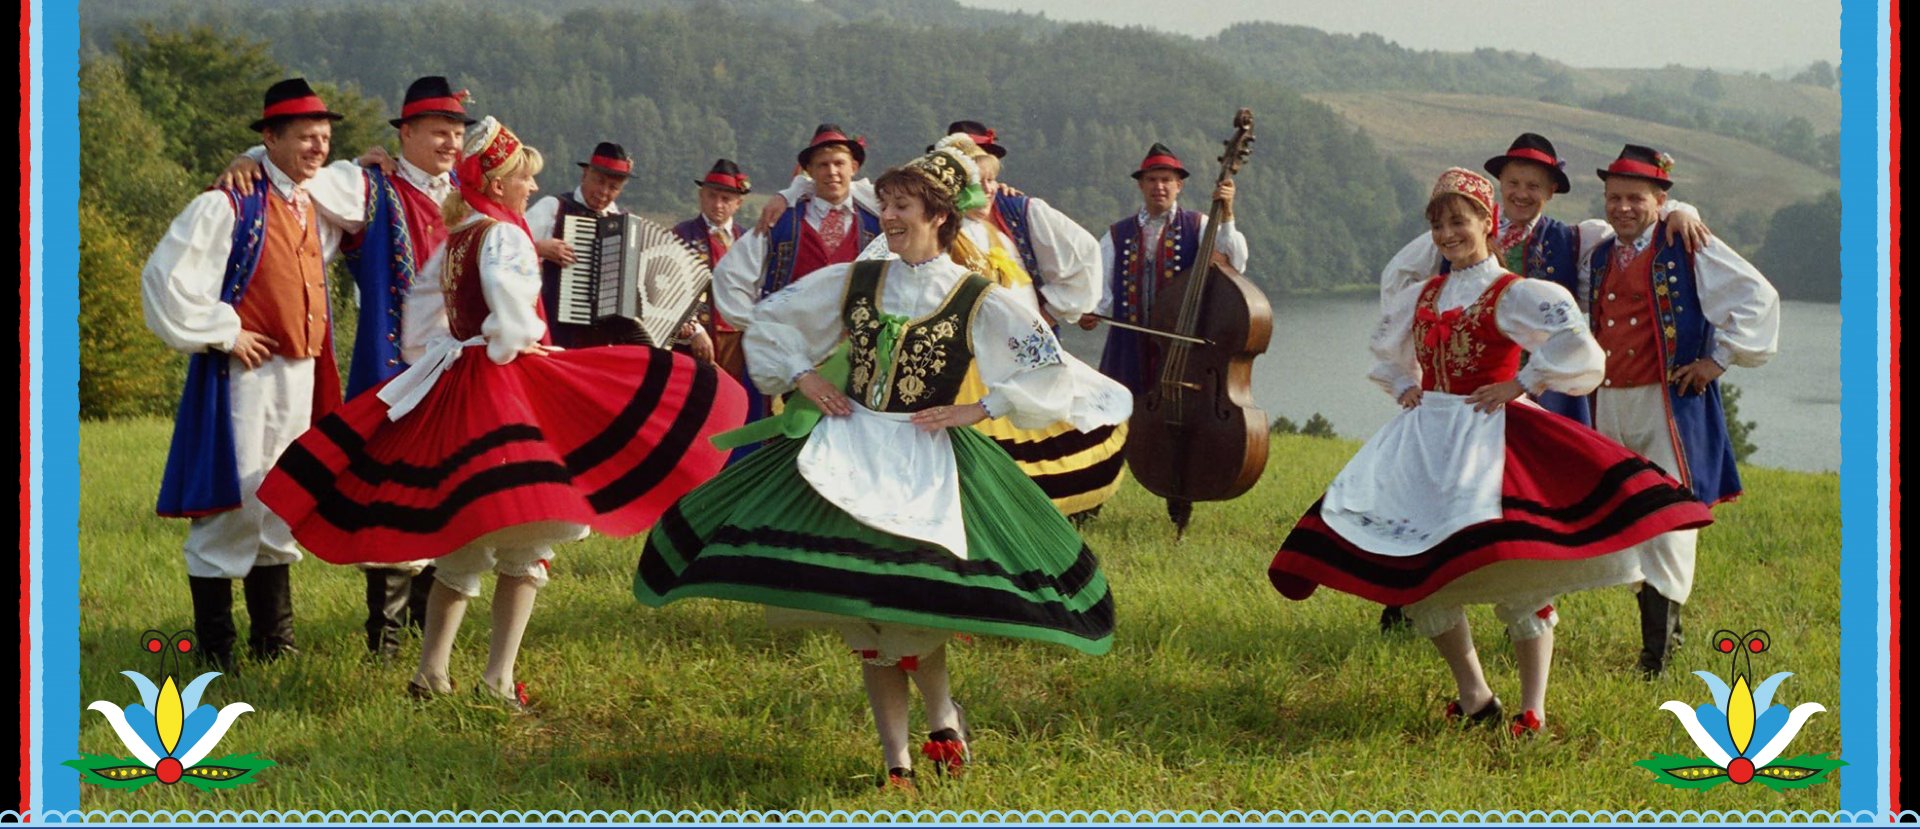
column 1078, row 108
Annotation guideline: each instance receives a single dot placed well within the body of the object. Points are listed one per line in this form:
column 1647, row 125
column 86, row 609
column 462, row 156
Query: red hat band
column 1160, row 161
column 431, row 105
column 618, row 165
column 1530, row 154
column 982, row 140
column 724, row 180
column 1626, row 166
column 295, row 106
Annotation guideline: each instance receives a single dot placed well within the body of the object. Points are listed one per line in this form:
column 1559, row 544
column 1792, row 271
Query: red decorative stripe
column 618, row 165
column 725, row 180
column 1530, row 154
column 982, row 140
column 1636, row 168
column 1161, row 161
column 826, row 137
column 295, row 106
column 432, row 105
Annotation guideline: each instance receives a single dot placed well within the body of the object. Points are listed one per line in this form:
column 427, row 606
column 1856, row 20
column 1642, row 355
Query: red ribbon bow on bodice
column 1439, row 326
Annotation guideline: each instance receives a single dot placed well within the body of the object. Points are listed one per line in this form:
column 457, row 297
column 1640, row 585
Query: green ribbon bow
column 797, row 419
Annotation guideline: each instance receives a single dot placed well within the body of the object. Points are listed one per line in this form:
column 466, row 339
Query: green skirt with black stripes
column 759, row 533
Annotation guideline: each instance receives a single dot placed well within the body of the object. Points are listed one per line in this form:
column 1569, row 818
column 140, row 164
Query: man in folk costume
column 1532, row 244
column 826, row 228
column 1671, row 322
column 239, row 283
column 711, row 234
column 1142, row 253
column 390, row 213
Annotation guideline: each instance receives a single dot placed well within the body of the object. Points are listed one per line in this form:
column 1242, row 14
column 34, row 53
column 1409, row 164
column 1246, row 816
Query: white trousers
column 1637, row 418
column 271, row 406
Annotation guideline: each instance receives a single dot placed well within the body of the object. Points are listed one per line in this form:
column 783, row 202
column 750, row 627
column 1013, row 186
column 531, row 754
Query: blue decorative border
column 54, row 38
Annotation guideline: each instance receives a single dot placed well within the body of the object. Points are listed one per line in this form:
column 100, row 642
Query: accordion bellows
column 627, row 266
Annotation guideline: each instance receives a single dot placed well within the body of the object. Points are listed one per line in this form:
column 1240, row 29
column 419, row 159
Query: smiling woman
column 888, row 520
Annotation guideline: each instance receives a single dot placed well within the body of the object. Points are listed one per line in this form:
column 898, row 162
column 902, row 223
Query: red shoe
column 899, row 779
column 947, row 750
column 1528, row 724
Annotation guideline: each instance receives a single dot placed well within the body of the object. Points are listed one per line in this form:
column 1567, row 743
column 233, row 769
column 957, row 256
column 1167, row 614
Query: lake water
column 1318, row 361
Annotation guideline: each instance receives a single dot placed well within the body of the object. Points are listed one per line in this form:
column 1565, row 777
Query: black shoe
column 1488, row 714
column 417, row 598
column 1658, row 641
column 213, row 630
column 1393, row 619
column 269, row 612
column 387, row 596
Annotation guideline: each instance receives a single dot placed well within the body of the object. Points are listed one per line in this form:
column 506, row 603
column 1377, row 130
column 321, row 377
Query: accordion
column 627, row 267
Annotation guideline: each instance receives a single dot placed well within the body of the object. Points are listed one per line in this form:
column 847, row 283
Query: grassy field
column 1218, row 694
column 1430, row 132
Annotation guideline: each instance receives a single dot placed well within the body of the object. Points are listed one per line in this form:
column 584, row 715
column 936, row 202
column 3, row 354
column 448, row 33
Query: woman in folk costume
column 891, row 521
column 493, row 446
column 1078, row 469
column 1471, row 496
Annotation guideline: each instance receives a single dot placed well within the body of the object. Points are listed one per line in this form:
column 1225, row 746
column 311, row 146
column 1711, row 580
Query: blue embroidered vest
column 383, row 265
column 783, row 244
column 1696, row 420
column 1130, row 357
column 1011, row 210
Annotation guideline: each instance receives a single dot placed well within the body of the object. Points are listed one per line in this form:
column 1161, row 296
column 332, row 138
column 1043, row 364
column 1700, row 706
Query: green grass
column 1218, row 694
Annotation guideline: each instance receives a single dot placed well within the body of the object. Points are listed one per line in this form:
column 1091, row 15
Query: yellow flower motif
column 911, row 387
column 945, row 329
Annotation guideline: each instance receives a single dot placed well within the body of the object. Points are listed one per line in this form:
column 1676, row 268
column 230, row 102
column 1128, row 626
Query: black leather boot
column 417, row 599
column 270, row 613
column 1659, row 616
column 387, row 595
column 213, row 621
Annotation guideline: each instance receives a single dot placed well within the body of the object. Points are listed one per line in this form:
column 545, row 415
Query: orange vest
column 287, row 297
column 1624, row 323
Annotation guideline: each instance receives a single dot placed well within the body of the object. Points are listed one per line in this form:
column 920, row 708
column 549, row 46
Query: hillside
column 1737, row 184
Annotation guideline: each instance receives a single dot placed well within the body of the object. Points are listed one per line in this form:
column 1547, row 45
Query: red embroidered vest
column 1462, row 349
column 1624, row 324
column 812, row 253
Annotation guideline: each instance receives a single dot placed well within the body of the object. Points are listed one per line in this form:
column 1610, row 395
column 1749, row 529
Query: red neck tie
column 717, row 242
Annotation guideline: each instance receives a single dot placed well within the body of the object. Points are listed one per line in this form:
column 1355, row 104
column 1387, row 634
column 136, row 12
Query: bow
column 1439, row 326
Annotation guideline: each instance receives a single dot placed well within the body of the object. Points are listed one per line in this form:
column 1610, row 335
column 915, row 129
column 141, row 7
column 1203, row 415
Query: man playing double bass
column 1141, row 254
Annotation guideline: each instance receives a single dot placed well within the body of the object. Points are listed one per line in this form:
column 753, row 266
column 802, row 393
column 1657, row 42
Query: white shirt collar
column 1162, row 218
column 1485, row 268
column 725, row 230
column 818, row 207
column 1646, row 236
column 1508, row 224
column 282, row 183
column 435, row 186
column 612, row 208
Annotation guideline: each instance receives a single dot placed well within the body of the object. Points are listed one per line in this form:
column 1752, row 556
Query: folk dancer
column 711, row 234
column 493, row 447
column 239, row 283
column 1471, row 495
column 1671, row 322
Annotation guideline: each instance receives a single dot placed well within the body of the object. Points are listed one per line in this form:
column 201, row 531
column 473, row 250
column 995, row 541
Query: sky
column 1739, row 35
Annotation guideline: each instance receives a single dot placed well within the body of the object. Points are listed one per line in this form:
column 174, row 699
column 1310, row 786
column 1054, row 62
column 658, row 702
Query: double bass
column 1195, row 433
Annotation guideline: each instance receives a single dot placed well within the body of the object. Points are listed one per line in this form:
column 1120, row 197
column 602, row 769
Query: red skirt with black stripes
column 1567, row 493
column 606, row 438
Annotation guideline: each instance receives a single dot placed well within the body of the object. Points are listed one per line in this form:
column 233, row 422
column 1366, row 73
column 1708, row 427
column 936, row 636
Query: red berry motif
column 1726, row 646
column 1740, row 770
column 169, row 770
column 153, row 646
column 1756, row 645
